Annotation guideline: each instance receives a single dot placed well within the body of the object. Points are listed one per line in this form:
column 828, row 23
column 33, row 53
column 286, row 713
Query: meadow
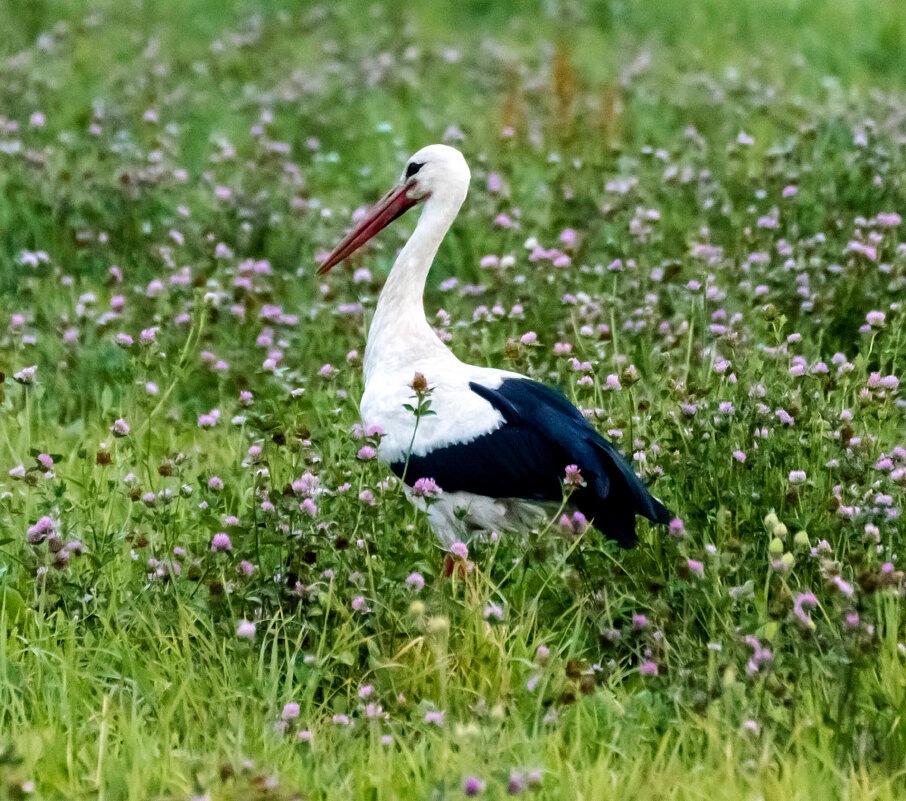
column 686, row 215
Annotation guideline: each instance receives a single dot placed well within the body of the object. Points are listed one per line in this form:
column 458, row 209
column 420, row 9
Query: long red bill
column 395, row 203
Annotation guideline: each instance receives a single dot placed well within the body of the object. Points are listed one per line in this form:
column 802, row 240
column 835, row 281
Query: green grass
column 121, row 672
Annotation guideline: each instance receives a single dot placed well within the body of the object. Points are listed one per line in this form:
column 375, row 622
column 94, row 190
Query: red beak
column 394, row 204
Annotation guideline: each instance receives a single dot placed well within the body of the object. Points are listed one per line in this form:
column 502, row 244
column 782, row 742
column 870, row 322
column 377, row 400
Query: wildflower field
column 684, row 214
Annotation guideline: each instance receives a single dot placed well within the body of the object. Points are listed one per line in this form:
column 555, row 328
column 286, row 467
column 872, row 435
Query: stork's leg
column 451, row 564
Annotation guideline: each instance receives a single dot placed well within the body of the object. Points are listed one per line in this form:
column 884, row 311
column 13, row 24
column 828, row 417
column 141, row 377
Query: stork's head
column 437, row 169
column 438, row 173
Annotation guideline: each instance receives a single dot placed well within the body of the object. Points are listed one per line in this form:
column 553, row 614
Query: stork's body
column 497, row 443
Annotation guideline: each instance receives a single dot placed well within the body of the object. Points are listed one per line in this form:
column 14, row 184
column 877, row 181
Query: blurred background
column 484, row 61
column 587, row 80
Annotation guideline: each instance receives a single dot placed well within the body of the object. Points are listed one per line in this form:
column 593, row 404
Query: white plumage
column 459, row 414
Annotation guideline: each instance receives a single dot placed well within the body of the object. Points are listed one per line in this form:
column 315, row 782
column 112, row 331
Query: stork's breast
column 459, row 415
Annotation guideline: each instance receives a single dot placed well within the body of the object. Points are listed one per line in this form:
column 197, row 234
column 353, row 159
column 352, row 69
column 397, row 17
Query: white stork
column 498, row 443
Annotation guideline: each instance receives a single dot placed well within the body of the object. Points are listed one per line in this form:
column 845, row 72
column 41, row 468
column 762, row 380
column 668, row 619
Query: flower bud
column 788, row 559
column 801, row 539
column 776, row 546
column 438, row 625
column 771, row 520
column 419, row 382
column 780, row 531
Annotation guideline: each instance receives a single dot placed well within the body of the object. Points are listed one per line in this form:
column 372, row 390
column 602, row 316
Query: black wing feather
column 527, row 457
column 510, row 462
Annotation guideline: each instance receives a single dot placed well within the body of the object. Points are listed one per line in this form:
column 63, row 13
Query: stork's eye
column 413, row 168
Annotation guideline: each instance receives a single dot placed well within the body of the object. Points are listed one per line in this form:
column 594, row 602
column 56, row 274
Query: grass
column 731, row 174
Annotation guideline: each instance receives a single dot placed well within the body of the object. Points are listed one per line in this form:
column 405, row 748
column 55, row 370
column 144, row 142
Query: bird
column 496, row 443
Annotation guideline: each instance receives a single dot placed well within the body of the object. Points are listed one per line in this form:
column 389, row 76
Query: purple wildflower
column 875, row 319
column 40, row 530
column 573, row 477
column 416, row 581
column 120, row 428
column 221, row 542
column 460, row 550
column 426, row 488
column 805, row 601
column 648, row 668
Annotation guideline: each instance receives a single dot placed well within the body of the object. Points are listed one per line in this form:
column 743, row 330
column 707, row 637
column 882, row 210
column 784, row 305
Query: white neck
column 399, row 333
